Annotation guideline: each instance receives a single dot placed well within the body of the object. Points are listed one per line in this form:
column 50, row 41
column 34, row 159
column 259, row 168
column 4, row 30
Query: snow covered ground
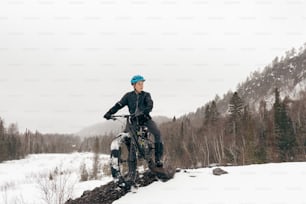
column 274, row 183
column 22, row 181
column 281, row 183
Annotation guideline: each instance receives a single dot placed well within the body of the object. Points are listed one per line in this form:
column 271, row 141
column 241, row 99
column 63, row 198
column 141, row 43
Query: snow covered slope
column 287, row 74
column 282, row 183
column 21, row 181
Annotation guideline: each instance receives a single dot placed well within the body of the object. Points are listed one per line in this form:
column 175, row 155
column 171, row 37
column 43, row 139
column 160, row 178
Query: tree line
column 240, row 136
column 16, row 145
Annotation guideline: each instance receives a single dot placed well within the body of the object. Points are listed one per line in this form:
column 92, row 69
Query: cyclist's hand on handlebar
column 107, row 116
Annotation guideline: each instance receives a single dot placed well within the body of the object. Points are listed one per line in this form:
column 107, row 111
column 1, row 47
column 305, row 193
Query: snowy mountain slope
column 281, row 183
column 20, row 179
column 287, row 74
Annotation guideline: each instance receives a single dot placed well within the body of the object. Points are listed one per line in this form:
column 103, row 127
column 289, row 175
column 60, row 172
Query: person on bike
column 140, row 105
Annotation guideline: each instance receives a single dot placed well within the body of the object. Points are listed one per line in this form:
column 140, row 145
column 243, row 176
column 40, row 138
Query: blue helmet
column 136, row 79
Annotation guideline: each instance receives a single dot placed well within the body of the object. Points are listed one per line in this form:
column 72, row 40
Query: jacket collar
column 141, row 93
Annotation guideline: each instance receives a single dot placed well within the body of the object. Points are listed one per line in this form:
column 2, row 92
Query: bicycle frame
column 133, row 130
column 133, row 148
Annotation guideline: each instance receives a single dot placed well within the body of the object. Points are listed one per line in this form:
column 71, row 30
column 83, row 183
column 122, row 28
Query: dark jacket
column 143, row 99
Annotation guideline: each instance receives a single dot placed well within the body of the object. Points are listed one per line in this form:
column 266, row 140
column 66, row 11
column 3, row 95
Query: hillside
column 235, row 130
column 288, row 74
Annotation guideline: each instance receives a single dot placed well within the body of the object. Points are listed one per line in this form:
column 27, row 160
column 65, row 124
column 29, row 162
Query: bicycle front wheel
column 123, row 159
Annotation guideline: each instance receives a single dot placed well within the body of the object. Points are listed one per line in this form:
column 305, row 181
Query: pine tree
column 2, row 141
column 173, row 119
column 207, row 115
column 214, row 113
column 285, row 134
column 261, row 144
column 287, row 139
column 235, row 109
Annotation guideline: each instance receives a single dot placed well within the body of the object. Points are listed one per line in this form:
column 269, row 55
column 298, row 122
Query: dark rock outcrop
column 110, row 192
column 219, row 171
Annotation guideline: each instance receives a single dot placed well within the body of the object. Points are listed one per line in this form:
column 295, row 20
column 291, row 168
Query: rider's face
column 138, row 86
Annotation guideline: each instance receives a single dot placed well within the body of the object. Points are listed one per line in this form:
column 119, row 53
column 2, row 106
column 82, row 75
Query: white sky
column 64, row 63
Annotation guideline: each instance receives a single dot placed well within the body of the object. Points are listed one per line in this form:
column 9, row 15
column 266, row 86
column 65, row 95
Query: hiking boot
column 159, row 164
column 159, row 150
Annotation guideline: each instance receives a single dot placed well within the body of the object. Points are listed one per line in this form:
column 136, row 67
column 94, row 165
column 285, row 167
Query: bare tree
column 57, row 187
column 96, row 159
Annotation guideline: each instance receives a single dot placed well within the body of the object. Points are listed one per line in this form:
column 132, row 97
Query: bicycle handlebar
column 121, row 116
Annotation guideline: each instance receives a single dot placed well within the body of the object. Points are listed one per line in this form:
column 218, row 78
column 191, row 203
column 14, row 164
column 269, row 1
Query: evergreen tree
column 235, row 109
column 173, row 119
column 207, row 115
column 214, row 113
column 261, row 144
column 285, row 134
column 2, row 141
column 2, row 129
column 287, row 139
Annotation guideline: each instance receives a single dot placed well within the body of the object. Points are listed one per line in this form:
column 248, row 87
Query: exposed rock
column 110, row 192
column 219, row 171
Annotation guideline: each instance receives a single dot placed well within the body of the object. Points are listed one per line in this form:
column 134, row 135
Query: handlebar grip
column 121, row 116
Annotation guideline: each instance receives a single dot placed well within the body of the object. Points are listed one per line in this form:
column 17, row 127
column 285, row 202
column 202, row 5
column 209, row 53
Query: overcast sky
column 64, row 63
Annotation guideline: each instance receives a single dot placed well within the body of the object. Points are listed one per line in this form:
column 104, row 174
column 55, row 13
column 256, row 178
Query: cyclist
column 140, row 104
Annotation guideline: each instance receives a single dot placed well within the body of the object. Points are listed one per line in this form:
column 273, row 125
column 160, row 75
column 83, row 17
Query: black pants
column 152, row 127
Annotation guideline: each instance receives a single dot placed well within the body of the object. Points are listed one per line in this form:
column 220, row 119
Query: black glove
column 108, row 116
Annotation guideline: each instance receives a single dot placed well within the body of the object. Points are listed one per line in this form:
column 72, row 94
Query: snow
column 20, row 180
column 293, row 93
column 301, row 86
column 281, row 183
column 273, row 183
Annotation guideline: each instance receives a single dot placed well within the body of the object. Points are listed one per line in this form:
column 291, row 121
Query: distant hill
column 287, row 73
column 111, row 126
